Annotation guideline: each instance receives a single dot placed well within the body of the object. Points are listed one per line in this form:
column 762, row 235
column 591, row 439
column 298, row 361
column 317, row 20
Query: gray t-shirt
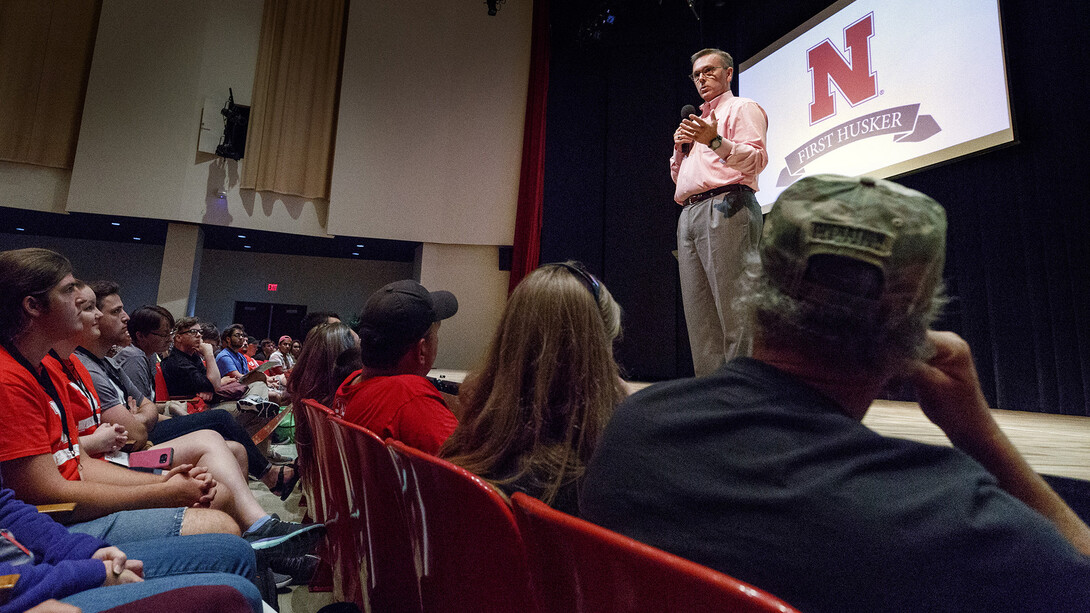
column 135, row 363
column 111, row 383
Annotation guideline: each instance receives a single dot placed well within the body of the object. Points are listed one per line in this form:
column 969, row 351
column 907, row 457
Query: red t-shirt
column 403, row 407
column 32, row 421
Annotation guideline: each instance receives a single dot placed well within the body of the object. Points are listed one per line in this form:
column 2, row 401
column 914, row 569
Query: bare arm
column 107, row 438
column 210, row 369
column 120, row 414
column 146, row 412
column 950, row 396
column 35, row 479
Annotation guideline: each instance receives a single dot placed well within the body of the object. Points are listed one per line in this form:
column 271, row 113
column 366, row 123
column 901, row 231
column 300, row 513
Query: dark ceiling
column 152, row 231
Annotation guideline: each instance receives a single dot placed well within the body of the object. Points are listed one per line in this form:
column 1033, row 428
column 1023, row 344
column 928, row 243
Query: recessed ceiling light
column 242, row 236
column 355, row 253
column 136, row 238
column 114, row 223
column 20, row 229
column 246, row 246
column 359, row 245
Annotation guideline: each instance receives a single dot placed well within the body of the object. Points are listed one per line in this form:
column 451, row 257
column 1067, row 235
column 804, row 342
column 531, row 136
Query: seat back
column 331, row 490
column 467, row 550
column 579, row 566
column 161, row 393
column 382, row 562
column 308, row 412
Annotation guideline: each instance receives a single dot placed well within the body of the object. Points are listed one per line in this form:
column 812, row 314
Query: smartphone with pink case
column 152, row 458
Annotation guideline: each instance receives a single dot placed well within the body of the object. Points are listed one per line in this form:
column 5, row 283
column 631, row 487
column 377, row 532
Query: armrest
column 60, row 507
column 7, row 582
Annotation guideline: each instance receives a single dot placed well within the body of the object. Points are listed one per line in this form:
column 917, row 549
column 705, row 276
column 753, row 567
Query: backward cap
column 401, row 312
column 899, row 230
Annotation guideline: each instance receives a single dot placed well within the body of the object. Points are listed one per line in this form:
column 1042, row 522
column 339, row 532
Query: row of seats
column 410, row 532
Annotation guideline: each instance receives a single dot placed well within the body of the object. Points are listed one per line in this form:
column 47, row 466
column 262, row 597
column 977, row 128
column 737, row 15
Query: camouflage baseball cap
column 899, row 230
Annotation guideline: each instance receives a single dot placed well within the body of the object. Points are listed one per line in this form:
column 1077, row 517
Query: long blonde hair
column 548, row 385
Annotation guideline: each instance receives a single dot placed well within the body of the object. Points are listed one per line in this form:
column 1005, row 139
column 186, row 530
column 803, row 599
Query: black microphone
column 687, row 110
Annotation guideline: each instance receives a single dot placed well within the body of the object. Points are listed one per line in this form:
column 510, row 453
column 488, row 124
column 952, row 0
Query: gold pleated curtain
column 45, row 56
column 289, row 144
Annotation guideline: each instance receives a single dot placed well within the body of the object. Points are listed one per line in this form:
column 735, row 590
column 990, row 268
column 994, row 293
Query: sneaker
column 284, row 539
column 279, row 459
column 294, row 571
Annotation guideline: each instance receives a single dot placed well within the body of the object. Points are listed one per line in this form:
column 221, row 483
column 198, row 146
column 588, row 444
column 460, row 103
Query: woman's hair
column 27, row 272
column 538, row 405
column 330, row 353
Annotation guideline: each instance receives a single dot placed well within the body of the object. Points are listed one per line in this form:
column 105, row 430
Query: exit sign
column 272, row 287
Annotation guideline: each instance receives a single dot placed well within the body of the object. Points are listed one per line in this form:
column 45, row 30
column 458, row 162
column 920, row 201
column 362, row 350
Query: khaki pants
column 715, row 237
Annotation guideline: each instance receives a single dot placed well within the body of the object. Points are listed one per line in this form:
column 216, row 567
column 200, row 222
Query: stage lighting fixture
column 493, row 6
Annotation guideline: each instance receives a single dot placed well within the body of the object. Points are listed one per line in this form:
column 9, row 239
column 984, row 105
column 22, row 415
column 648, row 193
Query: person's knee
column 209, row 521
column 240, row 455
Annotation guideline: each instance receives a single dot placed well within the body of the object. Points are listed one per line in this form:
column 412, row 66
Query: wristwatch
column 715, row 142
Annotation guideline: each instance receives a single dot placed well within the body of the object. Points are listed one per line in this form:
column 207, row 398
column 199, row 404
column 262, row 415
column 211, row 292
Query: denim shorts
column 137, row 525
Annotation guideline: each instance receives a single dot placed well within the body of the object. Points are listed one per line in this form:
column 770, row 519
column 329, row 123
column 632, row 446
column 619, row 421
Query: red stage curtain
column 527, row 240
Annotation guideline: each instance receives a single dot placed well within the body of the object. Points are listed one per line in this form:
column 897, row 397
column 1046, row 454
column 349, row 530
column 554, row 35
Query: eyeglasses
column 577, row 268
column 706, row 72
column 194, row 332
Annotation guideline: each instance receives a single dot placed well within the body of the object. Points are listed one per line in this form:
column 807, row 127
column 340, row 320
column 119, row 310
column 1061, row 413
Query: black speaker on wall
column 236, row 118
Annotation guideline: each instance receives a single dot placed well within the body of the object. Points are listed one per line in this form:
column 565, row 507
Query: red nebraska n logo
column 852, row 76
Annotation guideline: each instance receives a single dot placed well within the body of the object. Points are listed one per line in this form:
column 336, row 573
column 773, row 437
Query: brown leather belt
column 733, row 187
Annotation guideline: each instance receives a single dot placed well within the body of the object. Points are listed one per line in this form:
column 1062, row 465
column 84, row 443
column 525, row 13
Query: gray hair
column 728, row 61
column 857, row 334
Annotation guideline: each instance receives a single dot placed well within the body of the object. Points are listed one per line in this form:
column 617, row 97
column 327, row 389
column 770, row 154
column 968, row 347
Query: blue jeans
column 182, row 561
column 136, row 525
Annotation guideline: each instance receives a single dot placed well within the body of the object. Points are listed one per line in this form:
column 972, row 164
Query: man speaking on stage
column 717, row 157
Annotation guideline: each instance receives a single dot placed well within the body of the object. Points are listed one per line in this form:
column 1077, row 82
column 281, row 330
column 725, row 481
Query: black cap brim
column 444, row 303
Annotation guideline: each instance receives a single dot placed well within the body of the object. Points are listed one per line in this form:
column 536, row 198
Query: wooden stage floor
column 1052, row 444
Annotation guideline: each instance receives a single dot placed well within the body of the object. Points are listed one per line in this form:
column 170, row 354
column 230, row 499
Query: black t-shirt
column 752, row 473
column 185, row 374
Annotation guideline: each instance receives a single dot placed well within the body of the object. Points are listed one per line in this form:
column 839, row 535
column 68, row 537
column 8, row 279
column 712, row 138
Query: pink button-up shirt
column 741, row 122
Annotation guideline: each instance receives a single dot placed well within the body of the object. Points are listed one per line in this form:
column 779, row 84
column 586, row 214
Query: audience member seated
column 96, row 438
column 314, row 319
column 763, row 470
column 230, row 359
column 296, row 349
column 146, row 328
column 250, row 351
column 399, row 338
column 211, row 335
column 332, row 354
column 149, row 332
column 225, row 461
column 232, row 362
column 533, row 414
column 84, row 571
column 282, row 357
column 266, row 348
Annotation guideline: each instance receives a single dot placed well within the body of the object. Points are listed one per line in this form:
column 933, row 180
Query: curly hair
column 849, row 330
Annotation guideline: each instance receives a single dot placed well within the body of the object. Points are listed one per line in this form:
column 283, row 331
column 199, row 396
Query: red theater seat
column 468, row 552
column 324, row 486
column 580, row 567
column 381, row 564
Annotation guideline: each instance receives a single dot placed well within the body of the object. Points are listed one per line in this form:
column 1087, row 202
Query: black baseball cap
column 400, row 313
